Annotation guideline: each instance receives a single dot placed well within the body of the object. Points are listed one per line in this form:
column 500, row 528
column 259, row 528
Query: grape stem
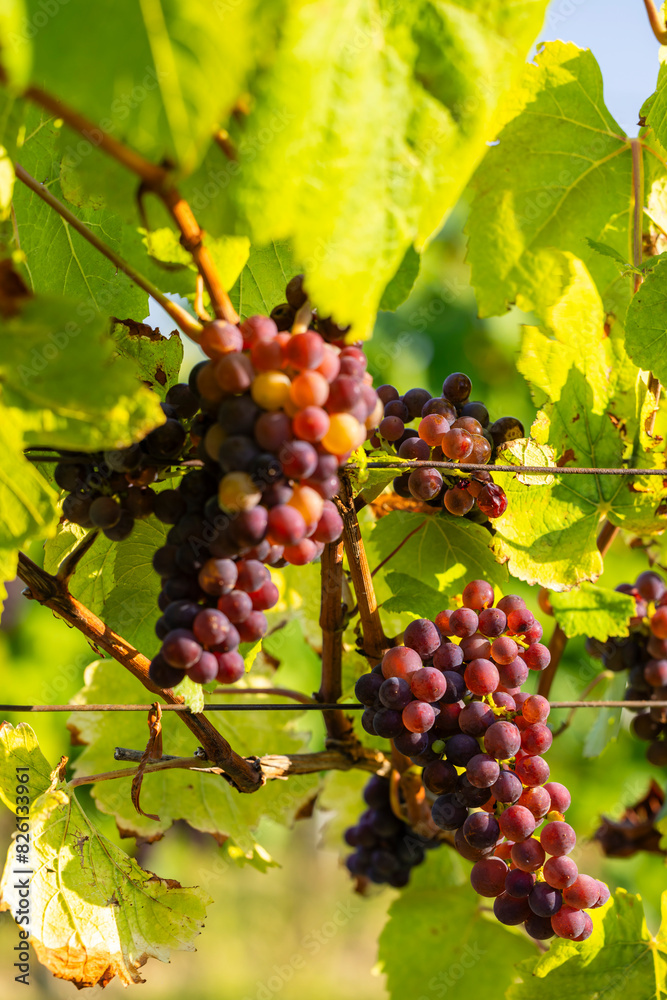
column 657, row 27
column 270, row 767
column 333, row 621
column 186, row 322
column 154, row 178
column 53, row 593
column 375, row 641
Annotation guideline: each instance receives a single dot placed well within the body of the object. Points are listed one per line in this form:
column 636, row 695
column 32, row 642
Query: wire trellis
column 315, row 706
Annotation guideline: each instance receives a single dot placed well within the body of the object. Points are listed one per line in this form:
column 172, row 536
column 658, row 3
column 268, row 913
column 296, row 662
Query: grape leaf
column 229, row 254
column 410, row 594
column 19, row 748
column 646, row 323
column 94, row 912
column 444, row 553
column 94, row 578
column 573, row 335
column 376, row 91
column 58, row 259
column 620, row 957
column 27, row 502
column 593, row 611
column 403, row 281
column 130, row 606
column 607, row 251
column 157, row 359
column 261, row 284
column 466, row 952
column 548, row 533
column 560, row 174
column 162, row 76
column 61, row 373
column 15, row 47
column 205, row 801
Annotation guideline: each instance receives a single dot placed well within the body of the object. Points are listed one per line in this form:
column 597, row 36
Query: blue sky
column 619, row 36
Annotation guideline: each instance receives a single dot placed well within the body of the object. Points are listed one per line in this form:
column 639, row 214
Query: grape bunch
column 451, row 428
column 386, row 848
column 284, row 314
column 450, row 699
column 644, row 654
column 111, row 489
column 279, row 414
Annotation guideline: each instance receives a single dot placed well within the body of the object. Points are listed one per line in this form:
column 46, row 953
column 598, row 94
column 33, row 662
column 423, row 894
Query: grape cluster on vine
column 644, row 655
column 453, row 428
column 386, row 848
column 111, row 489
column 450, row 698
column 279, row 414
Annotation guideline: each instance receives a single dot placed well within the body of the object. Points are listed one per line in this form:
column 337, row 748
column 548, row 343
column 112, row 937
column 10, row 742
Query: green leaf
column 94, row 912
column 116, row 580
column 27, row 502
column 229, row 253
column 574, row 334
column 19, row 748
column 58, row 259
column 94, row 578
column 15, row 47
column 193, row 694
column 646, row 323
column 607, row 723
column 548, row 533
column 162, row 76
column 444, row 552
column 410, row 594
column 402, row 283
column 464, row 953
column 593, row 611
column 157, row 360
column 377, row 92
column 261, row 284
column 620, row 955
column 560, row 175
column 62, row 377
column 607, row 251
column 130, row 607
column 655, row 107
column 204, row 801
column 7, row 179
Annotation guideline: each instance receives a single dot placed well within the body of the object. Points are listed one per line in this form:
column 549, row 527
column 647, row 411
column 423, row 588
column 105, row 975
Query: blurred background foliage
column 299, row 930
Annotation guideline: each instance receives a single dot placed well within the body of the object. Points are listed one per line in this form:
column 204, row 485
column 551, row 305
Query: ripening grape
column 458, row 501
column 401, row 661
column 487, row 876
column 517, row 823
column 481, row 676
column 422, row 636
column 424, row 484
column 529, row 856
column 519, row 884
column 560, row 872
column 559, row 795
column 558, row 838
column 418, row 717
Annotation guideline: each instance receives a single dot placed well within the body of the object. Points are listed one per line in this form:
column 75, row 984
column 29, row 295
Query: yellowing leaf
column 620, row 958
column 94, row 912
